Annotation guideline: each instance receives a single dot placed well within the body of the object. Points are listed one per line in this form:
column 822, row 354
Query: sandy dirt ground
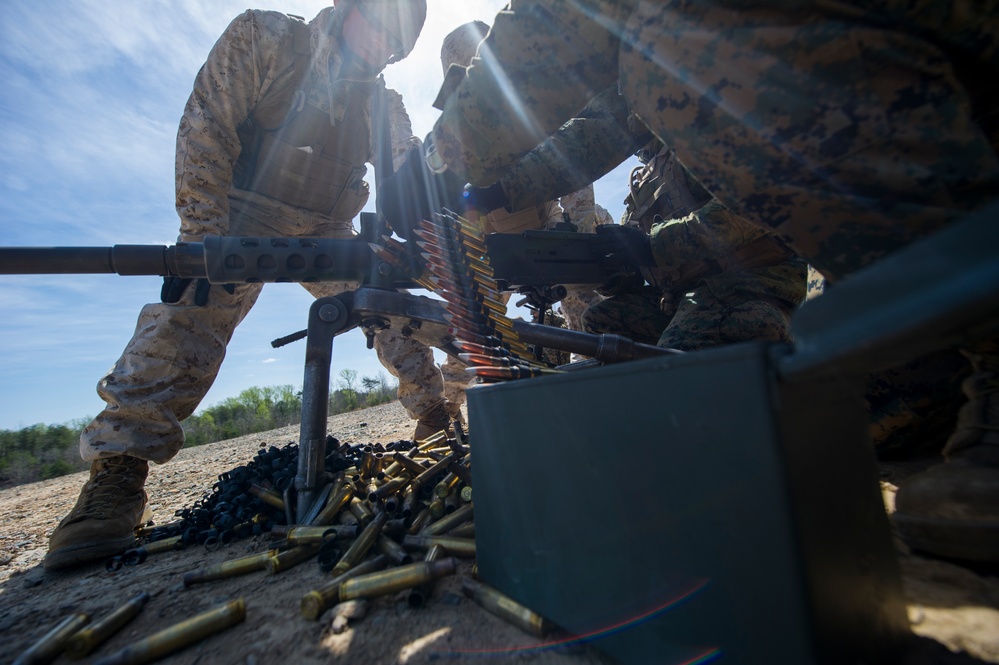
column 954, row 610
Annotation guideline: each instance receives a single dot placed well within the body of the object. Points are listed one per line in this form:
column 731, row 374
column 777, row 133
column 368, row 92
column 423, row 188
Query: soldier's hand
column 173, row 289
column 625, row 243
column 414, row 193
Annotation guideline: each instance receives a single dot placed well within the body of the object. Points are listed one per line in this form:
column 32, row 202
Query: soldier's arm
column 400, row 128
column 539, row 66
column 249, row 57
column 584, row 149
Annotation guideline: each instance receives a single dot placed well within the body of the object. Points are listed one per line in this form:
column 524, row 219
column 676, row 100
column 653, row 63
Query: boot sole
column 76, row 555
column 970, row 541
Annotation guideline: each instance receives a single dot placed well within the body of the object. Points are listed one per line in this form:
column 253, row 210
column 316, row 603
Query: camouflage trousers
column 176, row 350
column 724, row 309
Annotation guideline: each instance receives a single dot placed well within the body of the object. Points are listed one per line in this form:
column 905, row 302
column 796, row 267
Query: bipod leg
column 327, row 317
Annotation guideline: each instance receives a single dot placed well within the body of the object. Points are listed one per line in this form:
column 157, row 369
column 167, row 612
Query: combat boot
column 952, row 509
column 432, row 422
column 103, row 521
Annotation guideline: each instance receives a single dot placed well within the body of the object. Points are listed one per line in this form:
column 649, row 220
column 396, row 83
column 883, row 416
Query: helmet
column 461, row 44
column 401, row 18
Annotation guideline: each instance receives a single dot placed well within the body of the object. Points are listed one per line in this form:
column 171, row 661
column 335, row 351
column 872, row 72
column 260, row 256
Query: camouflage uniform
column 728, row 281
column 850, row 129
column 177, row 348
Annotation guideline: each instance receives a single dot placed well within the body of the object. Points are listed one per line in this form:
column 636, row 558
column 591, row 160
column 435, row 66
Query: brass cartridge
column 451, row 503
column 466, row 530
column 506, row 608
column 436, row 469
column 432, row 441
column 179, row 635
column 230, row 568
column 361, row 511
column 85, row 641
column 270, row 497
column 334, row 506
column 448, row 522
column 466, row 494
column 390, row 471
column 366, row 467
column 418, row 595
column 290, row 558
column 445, row 486
column 346, row 518
column 396, row 553
column 390, row 487
column 54, row 642
column 317, row 601
column 409, row 501
column 462, row 471
column 436, row 509
column 419, row 521
column 359, row 548
column 396, row 579
column 410, row 464
column 459, row 547
column 137, row 555
column 304, row 535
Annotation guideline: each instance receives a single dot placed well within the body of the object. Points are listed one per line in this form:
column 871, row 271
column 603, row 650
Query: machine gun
column 531, row 260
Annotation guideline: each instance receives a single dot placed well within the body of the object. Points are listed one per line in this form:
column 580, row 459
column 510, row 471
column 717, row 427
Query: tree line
column 43, row 451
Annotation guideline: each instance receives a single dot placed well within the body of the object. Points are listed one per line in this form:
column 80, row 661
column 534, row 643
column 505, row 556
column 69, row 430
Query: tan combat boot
column 103, row 521
column 433, row 421
column 952, row 509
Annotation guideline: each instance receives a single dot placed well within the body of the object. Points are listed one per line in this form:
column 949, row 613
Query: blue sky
column 93, row 92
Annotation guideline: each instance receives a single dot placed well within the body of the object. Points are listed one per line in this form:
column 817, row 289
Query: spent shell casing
column 340, row 500
column 410, row 464
column 268, row 496
column 463, row 471
column 304, row 535
column 444, row 487
column 359, row 548
column 459, row 547
column 436, row 509
column 317, row 601
column 179, row 635
column 54, row 642
column 437, row 468
column 396, row 553
column 290, row 558
column 390, row 487
column 506, row 608
column 466, row 530
column 466, row 493
column 361, row 510
column 418, row 595
column 396, row 579
column 448, row 522
column 86, row 640
column 231, row 568
column 421, row 520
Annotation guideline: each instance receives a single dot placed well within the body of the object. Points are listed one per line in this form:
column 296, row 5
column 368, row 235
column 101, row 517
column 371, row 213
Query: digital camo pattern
column 765, row 106
column 850, row 129
column 177, row 349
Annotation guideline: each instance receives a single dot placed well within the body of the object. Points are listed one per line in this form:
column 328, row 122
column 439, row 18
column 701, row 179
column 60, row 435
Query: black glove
column 625, row 243
column 484, row 199
column 173, row 288
column 414, row 193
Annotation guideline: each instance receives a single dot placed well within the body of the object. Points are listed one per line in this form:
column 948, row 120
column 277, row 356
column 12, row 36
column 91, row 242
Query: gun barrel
column 223, row 260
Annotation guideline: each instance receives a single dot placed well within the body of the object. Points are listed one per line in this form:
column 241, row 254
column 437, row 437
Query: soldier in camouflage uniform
column 727, row 280
column 850, row 129
column 273, row 142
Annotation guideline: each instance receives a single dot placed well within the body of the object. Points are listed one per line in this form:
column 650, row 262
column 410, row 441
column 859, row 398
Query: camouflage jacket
column 254, row 57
